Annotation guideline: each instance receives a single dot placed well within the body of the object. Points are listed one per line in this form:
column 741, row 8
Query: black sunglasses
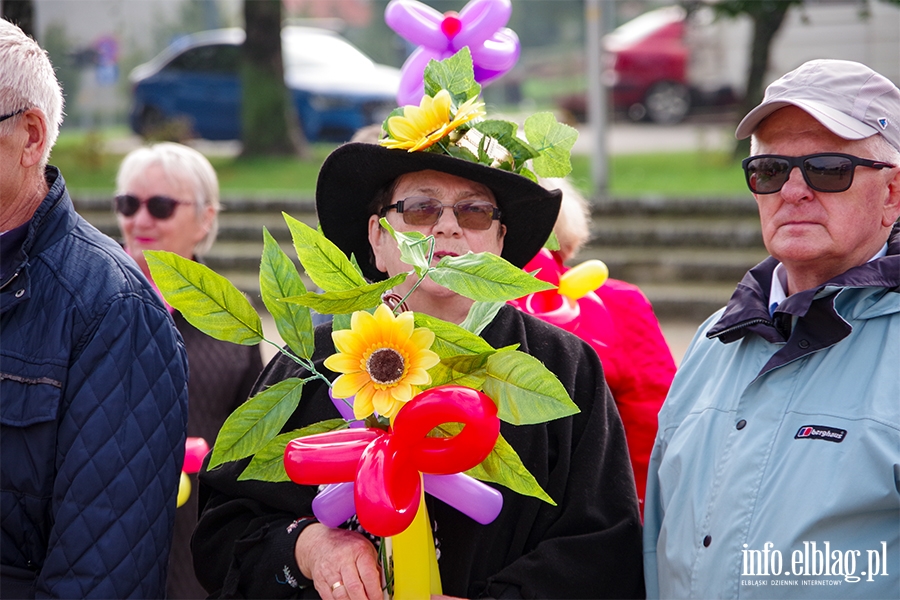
column 823, row 172
column 159, row 207
column 423, row 211
column 12, row 114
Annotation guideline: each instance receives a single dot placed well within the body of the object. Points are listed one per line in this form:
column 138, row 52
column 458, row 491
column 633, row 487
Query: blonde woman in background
column 168, row 199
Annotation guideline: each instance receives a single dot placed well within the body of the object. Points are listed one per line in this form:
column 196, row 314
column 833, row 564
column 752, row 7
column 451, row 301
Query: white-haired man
column 93, row 375
column 775, row 470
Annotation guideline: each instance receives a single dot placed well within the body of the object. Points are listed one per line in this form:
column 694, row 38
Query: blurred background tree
column 767, row 17
column 269, row 123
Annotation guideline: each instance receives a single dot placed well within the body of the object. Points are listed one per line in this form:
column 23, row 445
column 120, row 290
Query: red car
column 647, row 61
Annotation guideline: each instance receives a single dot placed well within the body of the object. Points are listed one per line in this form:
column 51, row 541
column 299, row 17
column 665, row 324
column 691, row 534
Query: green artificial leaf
column 268, row 463
column 397, row 112
column 554, row 140
column 415, row 248
column 485, row 277
column 552, row 242
column 505, row 134
column 502, row 466
column 324, row 262
column 525, row 391
column 205, row 299
column 463, row 153
column 454, row 74
column 444, row 374
column 465, row 369
column 449, row 339
column 336, row 303
column 340, row 322
column 480, row 316
column 255, row 422
column 279, row 279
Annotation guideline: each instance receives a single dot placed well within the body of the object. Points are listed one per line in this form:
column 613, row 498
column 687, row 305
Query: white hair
column 183, row 164
column 27, row 80
column 573, row 225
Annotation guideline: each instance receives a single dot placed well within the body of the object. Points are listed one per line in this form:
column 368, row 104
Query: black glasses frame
column 805, row 168
column 159, row 207
column 12, row 114
column 398, row 206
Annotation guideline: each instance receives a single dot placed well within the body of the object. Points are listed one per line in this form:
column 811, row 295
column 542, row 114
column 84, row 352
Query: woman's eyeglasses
column 12, row 114
column 159, row 207
column 422, row 211
column 823, row 172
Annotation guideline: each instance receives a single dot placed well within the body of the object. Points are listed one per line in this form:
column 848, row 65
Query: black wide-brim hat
column 352, row 175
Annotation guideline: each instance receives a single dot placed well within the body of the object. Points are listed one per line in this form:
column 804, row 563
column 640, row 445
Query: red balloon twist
column 386, row 465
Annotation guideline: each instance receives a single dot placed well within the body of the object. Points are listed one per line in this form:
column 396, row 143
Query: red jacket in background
column 618, row 322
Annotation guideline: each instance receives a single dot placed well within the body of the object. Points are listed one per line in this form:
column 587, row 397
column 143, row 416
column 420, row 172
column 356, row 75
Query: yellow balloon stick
column 415, row 562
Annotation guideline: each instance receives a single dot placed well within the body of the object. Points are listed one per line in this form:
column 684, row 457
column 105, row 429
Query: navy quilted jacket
column 93, row 406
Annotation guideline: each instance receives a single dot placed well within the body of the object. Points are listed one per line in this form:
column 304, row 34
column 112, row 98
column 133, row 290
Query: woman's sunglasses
column 159, row 207
column 422, row 211
column 823, row 172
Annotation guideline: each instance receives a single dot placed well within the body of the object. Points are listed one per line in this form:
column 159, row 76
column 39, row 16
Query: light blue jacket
column 776, row 469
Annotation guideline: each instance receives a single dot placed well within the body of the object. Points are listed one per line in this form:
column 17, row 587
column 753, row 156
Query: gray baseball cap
column 849, row 98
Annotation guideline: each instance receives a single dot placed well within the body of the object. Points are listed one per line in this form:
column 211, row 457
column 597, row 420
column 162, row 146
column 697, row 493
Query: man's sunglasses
column 823, row 172
column 423, row 211
column 159, row 207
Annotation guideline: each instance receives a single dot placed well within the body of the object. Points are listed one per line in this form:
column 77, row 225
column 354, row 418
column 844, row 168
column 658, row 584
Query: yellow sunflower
column 423, row 125
column 384, row 360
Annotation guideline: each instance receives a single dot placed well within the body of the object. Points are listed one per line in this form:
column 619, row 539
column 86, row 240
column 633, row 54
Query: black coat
column 589, row 546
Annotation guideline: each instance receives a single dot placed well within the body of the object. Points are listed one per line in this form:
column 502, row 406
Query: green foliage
column 485, row 277
column 504, row 466
column 207, row 300
column 453, row 74
column 256, row 422
column 524, row 394
column 278, row 279
column 324, row 262
column 341, row 303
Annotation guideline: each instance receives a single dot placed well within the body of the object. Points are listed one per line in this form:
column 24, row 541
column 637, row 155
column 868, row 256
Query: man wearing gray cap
column 776, row 469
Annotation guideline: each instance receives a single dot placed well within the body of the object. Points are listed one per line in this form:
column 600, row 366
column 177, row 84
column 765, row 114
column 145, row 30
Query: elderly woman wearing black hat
column 259, row 539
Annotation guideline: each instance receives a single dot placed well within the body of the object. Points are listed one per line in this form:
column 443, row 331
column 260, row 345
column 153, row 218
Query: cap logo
column 883, row 123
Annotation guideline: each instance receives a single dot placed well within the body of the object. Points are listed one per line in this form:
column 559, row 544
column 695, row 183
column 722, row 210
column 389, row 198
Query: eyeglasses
column 159, row 207
column 823, row 172
column 12, row 114
column 422, row 211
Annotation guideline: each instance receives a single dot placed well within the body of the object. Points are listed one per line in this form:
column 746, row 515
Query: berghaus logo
column 821, row 432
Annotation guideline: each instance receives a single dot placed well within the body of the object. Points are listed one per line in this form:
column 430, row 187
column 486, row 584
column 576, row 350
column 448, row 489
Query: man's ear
column 892, row 202
column 376, row 231
column 35, row 123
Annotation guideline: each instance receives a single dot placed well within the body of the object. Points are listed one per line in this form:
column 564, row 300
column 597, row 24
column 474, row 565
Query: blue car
column 335, row 88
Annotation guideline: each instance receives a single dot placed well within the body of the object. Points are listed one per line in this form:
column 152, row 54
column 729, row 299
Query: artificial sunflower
column 421, row 126
column 384, row 360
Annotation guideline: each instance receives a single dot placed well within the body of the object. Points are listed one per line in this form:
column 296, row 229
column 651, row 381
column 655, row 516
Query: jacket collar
column 53, row 219
column 747, row 311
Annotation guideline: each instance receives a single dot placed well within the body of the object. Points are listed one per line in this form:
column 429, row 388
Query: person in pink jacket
column 617, row 320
